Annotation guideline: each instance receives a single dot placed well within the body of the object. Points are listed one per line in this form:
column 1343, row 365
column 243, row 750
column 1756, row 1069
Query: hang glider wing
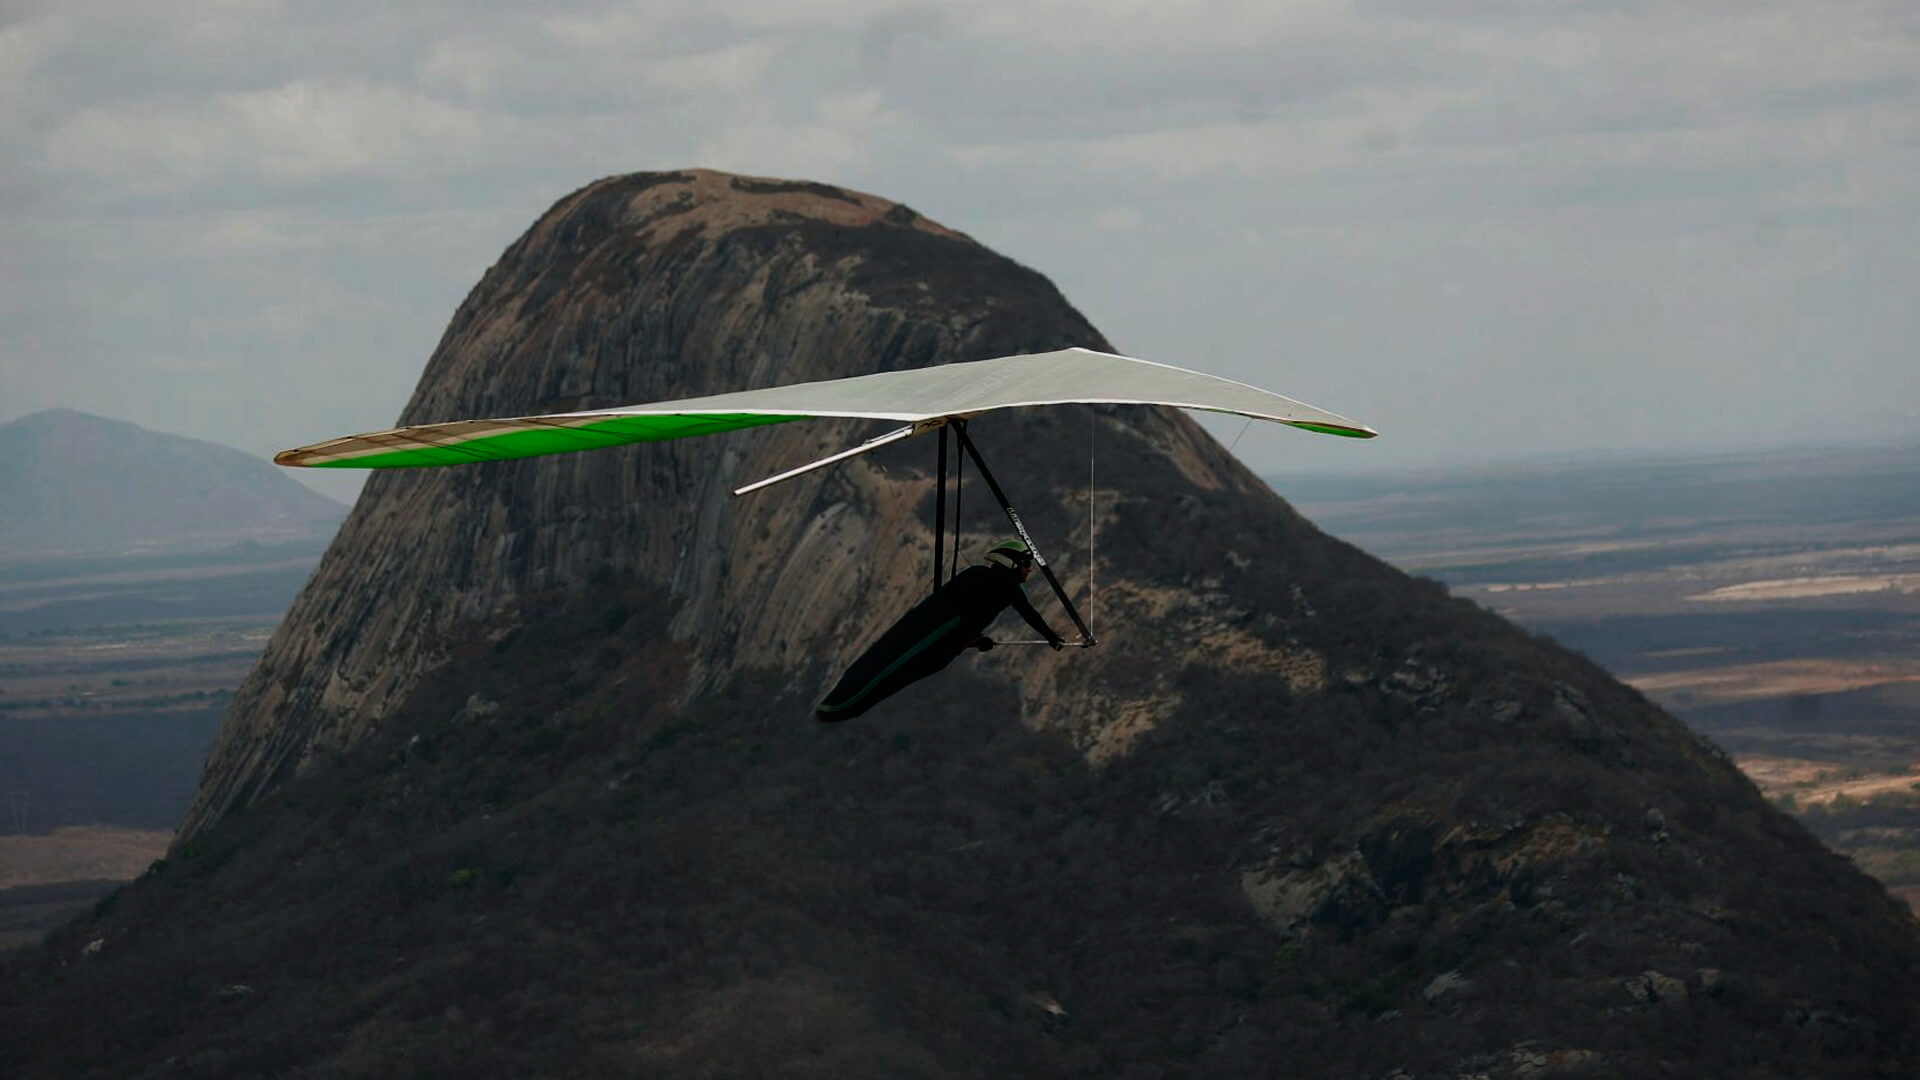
column 922, row 398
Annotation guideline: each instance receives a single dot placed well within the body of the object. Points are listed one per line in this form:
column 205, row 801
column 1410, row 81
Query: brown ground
column 81, row 853
column 1780, row 679
column 47, row 880
column 1808, row 780
column 1816, row 782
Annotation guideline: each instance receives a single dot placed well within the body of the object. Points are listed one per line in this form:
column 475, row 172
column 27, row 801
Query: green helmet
column 1011, row 554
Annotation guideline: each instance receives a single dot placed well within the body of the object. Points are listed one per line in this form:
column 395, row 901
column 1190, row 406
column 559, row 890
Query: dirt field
column 48, row 879
column 1779, row 679
column 1816, row 783
column 83, row 853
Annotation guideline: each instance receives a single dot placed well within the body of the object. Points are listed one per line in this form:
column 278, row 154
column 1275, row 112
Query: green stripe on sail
column 1331, row 429
column 553, row 438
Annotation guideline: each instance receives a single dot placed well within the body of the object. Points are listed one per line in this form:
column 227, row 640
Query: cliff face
column 648, row 288
column 526, row 781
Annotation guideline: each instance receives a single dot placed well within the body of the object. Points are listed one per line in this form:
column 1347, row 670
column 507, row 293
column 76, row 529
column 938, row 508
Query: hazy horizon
column 344, row 484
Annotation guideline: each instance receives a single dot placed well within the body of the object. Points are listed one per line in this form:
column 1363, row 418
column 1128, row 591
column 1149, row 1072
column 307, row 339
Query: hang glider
column 922, row 398
column 936, row 399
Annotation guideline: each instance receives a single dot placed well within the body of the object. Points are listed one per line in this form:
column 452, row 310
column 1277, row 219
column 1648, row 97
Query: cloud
column 301, row 130
column 1402, row 208
column 26, row 44
column 838, row 142
column 1010, row 81
column 474, row 69
column 738, row 68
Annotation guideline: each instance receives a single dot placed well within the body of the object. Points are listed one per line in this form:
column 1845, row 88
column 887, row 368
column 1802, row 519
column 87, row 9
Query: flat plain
column 114, row 674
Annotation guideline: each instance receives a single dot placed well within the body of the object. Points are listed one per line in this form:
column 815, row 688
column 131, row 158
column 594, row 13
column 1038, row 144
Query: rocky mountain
column 526, row 782
column 78, row 484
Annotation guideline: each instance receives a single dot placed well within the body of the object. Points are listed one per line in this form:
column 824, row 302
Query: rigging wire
column 1092, row 521
column 1243, row 431
column 959, row 466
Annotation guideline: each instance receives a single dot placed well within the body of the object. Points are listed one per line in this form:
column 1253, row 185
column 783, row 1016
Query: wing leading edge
column 1067, row 377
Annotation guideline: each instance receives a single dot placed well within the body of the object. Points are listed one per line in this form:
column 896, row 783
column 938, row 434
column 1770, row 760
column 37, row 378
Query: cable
column 1093, row 522
column 1243, row 431
column 959, row 467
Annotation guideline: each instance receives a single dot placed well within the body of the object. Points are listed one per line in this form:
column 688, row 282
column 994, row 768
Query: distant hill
column 82, row 484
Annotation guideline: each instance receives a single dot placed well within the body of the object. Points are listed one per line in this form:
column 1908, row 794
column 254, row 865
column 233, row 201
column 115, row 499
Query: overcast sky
column 1489, row 228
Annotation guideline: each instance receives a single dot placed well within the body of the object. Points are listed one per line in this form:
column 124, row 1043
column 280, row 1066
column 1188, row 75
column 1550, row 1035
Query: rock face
column 526, row 781
column 648, row 288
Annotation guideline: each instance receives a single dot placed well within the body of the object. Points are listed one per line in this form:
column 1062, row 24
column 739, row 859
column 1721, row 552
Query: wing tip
column 1349, row 431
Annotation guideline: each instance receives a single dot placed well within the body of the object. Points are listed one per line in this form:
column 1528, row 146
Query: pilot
column 936, row 630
